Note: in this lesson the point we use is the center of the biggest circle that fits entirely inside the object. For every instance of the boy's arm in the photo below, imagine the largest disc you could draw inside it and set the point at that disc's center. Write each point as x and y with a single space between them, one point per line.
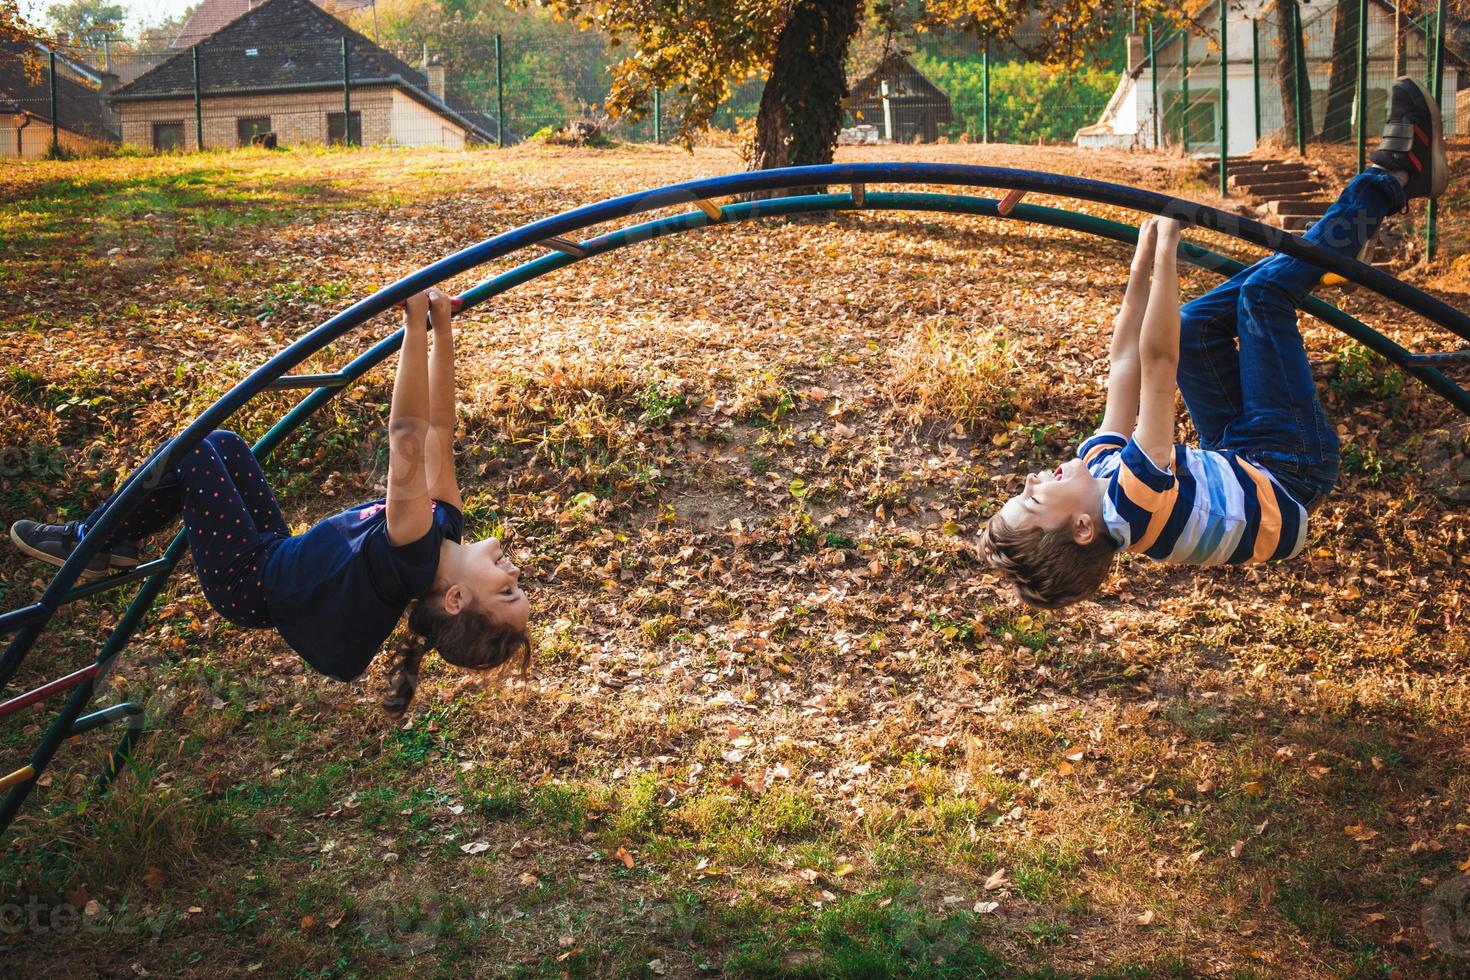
1123 372
1158 351
440 450
409 513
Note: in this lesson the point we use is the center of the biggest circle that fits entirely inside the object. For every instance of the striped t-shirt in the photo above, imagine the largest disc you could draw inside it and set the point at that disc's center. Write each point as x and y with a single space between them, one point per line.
1213 508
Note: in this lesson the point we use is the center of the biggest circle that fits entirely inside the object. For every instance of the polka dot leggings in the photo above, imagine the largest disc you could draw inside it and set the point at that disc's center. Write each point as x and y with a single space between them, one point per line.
232 520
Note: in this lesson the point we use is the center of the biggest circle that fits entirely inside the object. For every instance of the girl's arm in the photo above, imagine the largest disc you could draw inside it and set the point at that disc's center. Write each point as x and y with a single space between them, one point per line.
409 511
1158 351
442 482
1123 371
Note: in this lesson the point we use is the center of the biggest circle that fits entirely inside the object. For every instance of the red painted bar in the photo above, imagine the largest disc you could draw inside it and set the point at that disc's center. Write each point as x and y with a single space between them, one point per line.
60 684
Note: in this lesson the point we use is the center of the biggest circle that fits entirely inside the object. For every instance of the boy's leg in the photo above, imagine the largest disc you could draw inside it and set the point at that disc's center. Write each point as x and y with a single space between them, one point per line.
1209 361
1282 420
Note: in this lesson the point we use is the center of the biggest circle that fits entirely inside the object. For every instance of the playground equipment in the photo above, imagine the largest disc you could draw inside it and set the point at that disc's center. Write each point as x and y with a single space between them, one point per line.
28 622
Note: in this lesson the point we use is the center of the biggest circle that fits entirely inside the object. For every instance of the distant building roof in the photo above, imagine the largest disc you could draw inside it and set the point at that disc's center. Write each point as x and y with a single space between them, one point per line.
905 82
292 46
79 107
211 15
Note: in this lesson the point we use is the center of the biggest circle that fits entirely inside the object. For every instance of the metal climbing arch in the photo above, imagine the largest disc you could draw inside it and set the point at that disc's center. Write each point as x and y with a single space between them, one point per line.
26 624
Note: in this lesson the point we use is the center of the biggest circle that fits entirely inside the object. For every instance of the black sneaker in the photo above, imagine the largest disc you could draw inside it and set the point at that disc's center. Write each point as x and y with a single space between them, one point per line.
53 543
1413 140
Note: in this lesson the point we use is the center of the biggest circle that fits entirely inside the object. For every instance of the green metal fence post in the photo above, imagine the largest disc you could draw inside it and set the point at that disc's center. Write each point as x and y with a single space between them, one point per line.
1361 116
1297 58
1431 218
985 92
658 116
1224 104
1153 75
198 103
1256 73
499 97
1184 79
346 98
55 123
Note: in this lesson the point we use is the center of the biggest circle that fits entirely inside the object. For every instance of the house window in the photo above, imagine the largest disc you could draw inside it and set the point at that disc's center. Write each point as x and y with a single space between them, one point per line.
168 136
337 131
249 127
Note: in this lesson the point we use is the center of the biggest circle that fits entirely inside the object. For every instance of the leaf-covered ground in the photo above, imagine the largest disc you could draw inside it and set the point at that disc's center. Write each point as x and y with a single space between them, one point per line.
780 723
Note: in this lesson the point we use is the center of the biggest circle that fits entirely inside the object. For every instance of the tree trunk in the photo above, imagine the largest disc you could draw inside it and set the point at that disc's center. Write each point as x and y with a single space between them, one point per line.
1342 80
1288 16
801 107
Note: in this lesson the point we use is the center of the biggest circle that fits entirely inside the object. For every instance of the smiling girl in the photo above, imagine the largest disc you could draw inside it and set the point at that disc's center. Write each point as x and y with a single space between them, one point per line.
337 592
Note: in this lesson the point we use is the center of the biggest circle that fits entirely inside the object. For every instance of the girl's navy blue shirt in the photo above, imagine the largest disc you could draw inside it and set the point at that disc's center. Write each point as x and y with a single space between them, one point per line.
336 592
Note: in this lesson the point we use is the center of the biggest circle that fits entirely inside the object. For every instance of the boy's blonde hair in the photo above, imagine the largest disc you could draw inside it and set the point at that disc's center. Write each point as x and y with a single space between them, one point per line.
1049 568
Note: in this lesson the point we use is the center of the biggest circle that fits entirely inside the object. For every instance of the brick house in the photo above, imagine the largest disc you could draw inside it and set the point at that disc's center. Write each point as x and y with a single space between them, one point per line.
278 68
25 104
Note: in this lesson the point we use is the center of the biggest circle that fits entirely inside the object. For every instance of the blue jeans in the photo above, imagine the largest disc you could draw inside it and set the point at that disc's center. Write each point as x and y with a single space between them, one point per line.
1242 368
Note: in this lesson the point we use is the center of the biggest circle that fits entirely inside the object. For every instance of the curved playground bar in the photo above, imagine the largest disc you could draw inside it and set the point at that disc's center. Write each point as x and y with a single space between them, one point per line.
27 623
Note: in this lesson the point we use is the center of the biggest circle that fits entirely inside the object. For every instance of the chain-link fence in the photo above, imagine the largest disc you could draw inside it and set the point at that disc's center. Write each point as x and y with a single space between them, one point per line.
951 86
291 74
1293 75
310 80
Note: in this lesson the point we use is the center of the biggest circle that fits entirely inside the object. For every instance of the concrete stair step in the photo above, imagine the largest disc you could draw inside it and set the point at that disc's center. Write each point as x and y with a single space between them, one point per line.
1248 163
1296 191
1268 184
1262 171
1284 206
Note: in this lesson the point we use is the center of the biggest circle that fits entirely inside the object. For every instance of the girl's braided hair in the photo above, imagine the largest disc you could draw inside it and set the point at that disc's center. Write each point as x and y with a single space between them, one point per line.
470 639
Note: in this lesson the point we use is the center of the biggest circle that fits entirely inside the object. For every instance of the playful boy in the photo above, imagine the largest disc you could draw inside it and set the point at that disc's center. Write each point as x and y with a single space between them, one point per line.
1267 457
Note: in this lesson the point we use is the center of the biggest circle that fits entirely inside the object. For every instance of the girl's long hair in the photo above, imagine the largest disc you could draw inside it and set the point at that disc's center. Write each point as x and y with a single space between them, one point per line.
468 639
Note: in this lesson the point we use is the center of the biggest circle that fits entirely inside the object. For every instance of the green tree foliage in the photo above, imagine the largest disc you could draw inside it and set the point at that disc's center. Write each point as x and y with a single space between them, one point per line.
552 69
14 29
1028 101
160 34
86 22
704 49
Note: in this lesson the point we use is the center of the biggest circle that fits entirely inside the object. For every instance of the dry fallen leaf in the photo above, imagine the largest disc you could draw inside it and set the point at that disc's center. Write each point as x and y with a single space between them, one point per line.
622 855
478 847
996 880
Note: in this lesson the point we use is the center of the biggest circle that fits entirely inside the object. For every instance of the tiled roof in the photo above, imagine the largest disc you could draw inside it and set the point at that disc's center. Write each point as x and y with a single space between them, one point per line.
79 107
286 45
211 15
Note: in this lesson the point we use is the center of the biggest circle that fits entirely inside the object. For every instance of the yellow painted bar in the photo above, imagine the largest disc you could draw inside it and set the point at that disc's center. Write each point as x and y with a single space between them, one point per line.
17 777
710 208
